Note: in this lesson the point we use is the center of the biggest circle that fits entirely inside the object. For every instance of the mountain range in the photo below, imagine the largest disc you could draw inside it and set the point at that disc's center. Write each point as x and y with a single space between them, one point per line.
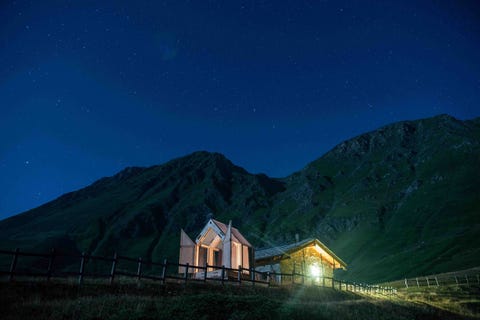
400 201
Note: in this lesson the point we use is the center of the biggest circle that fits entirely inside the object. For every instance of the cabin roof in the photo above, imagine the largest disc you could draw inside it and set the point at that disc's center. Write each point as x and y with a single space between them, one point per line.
287 249
223 227
220 229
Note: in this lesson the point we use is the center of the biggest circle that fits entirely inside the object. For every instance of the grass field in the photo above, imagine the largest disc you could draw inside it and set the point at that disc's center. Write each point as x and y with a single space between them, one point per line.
40 300
462 300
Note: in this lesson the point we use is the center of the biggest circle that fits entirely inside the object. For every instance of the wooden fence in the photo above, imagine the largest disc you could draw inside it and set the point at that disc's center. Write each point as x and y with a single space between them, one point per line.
58 265
468 277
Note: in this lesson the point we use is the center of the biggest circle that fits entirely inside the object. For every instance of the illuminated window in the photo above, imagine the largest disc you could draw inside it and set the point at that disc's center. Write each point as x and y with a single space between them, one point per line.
315 272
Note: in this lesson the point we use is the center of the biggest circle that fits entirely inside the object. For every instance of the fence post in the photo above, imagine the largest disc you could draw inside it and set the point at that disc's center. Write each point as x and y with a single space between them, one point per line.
466 278
139 269
418 285
406 283
186 274
252 275
164 270
223 274
50 265
13 265
205 273
82 269
294 271
268 278
428 283
436 280
239 275
114 266
456 279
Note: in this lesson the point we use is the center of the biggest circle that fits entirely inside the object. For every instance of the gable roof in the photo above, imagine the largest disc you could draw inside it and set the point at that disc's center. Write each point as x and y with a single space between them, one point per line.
284 251
221 229
222 226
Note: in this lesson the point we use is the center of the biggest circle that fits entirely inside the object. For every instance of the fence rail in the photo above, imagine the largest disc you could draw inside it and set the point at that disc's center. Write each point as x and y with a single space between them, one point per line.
468 277
167 271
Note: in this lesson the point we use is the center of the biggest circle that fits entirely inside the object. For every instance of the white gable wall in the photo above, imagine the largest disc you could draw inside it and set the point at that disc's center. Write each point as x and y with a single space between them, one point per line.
215 247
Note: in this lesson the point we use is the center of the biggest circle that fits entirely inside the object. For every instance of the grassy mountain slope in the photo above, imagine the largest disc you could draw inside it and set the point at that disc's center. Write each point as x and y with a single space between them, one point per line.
139 211
398 201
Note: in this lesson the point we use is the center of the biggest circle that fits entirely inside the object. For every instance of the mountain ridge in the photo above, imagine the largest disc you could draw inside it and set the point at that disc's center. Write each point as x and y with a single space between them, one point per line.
364 198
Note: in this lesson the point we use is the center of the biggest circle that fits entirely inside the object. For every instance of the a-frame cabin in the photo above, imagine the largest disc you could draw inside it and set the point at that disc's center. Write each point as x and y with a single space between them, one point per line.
217 244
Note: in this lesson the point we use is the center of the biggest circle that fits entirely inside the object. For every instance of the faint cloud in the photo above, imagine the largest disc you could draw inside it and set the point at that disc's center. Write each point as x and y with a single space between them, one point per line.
167 45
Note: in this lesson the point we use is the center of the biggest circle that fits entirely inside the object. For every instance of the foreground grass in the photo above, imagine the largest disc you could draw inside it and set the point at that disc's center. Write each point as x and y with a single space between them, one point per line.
463 300
39 301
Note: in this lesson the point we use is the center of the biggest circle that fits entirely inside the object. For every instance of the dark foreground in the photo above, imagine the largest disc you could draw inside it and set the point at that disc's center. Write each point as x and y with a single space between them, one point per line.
35 300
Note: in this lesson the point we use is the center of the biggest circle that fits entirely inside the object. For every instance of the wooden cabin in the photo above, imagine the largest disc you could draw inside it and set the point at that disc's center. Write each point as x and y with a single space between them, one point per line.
217 244
309 257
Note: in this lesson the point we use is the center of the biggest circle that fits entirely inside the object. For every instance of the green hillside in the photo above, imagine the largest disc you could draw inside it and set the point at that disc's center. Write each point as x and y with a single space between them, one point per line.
399 201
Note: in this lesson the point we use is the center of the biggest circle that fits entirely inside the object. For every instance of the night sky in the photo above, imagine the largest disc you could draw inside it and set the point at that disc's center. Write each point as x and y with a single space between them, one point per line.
88 88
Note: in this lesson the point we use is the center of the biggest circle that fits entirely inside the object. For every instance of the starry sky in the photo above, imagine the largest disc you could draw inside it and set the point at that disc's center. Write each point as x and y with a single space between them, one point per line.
88 88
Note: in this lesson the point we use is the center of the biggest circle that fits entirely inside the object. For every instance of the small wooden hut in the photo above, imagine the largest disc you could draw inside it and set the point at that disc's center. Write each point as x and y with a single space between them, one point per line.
217 244
308 257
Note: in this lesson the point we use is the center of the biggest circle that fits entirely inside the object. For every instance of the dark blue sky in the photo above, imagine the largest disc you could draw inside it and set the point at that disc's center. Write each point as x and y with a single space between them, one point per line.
90 87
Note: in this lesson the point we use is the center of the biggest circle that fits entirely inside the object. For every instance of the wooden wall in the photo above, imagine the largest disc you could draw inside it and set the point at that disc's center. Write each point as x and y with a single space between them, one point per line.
303 259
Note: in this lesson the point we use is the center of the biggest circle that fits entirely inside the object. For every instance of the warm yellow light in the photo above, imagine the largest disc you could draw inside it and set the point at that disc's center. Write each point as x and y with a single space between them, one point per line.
315 271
